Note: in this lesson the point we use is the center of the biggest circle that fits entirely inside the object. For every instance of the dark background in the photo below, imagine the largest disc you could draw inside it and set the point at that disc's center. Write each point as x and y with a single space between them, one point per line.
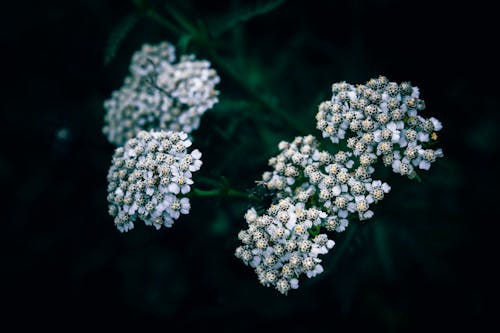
426 259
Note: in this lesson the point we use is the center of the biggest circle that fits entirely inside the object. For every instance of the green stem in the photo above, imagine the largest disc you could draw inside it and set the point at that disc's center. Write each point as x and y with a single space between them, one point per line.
153 15
195 192
255 94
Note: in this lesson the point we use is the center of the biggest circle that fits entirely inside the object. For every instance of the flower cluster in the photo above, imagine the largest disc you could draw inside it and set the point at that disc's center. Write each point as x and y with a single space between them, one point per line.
149 177
339 184
279 246
160 94
381 118
318 189
315 190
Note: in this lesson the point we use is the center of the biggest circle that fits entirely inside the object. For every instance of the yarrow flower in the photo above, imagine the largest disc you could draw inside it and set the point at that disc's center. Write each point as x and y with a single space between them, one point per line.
381 119
160 94
279 246
339 184
315 190
149 178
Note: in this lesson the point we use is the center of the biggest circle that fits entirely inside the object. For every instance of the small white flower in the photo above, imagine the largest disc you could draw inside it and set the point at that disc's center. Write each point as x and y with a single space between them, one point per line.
437 124
343 223
424 165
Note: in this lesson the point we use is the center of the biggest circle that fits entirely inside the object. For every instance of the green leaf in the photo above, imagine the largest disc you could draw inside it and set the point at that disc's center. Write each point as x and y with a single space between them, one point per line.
117 36
382 248
183 21
183 43
226 22
314 230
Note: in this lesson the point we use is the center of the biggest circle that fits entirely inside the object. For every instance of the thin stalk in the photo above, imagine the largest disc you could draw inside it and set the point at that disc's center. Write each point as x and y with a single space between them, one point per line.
256 95
195 192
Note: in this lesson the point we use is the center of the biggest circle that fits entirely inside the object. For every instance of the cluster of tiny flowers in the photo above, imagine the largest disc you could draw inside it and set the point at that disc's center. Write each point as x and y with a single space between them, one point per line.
381 119
315 190
149 177
339 184
160 94
278 244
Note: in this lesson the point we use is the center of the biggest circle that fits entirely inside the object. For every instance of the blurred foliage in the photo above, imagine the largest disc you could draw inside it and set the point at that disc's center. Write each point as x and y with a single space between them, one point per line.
424 261
117 36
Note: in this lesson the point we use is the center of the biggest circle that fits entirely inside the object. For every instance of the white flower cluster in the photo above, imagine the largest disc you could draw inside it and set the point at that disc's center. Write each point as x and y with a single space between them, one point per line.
160 94
316 190
338 184
381 119
278 244
148 178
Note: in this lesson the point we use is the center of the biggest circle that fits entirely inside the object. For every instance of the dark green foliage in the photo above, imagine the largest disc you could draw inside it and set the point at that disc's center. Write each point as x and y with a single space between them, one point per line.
118 35
228 21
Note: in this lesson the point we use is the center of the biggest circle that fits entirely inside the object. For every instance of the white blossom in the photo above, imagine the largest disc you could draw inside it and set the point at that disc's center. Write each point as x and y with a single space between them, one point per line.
281 247
145 180
160 94
380 117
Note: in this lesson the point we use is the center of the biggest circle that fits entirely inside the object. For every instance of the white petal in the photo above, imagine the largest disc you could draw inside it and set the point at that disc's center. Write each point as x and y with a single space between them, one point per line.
336 190
196 154
343 224
395 136
174 188
185 189
369 199
437 124
424 165
422 136
368 214
415 93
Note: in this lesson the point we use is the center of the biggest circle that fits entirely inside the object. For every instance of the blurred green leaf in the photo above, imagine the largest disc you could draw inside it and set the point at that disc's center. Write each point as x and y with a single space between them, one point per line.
183 21
226 22
117 36
220 225
183 43
383 251
231 105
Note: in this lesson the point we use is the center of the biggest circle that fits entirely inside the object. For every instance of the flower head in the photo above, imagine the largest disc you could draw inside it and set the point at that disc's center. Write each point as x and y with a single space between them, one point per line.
160 94
145 180
280 248
381 118
338 185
